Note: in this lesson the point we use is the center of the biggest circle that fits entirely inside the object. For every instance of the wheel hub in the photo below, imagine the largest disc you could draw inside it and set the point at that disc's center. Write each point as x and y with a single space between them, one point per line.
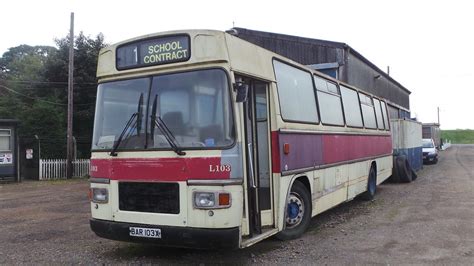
295 210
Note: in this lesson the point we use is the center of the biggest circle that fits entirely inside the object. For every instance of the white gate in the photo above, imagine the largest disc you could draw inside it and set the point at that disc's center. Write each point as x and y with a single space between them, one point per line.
56 168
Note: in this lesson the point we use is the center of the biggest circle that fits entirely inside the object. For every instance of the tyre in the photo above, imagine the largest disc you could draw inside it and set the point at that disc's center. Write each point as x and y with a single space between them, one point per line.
414 175
298 212
395 177
404 170
371 185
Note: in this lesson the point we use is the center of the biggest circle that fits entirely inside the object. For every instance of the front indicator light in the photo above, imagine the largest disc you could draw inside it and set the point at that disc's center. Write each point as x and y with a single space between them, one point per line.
224 199
99 195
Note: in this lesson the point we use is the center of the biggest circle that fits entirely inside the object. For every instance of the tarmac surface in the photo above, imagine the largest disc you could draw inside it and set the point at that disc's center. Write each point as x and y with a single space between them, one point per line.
428 221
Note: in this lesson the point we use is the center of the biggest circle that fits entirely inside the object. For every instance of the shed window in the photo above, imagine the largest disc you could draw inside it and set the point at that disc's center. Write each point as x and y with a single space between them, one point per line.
378 112
5 140
296 94
368 112
350 101
329 101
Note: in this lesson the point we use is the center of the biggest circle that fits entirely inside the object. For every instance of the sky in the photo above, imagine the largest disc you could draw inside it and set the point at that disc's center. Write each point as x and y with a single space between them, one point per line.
427 44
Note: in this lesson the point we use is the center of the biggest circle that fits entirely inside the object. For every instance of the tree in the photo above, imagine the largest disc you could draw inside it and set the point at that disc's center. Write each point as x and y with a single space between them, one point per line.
21 71
86 51
24 62
48 121
36 78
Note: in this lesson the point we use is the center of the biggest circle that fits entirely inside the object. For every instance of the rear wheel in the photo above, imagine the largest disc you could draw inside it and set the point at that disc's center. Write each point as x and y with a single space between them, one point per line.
298 212
402 171
371 185
414 176
395 177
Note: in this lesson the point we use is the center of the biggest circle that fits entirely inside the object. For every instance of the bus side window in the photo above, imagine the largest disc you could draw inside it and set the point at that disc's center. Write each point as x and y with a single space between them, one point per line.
329 101
385 115
296 94
368 112
378 112
350 101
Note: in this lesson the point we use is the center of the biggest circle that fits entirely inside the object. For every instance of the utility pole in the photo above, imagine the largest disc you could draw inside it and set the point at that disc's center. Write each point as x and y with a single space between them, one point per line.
438 116
70 101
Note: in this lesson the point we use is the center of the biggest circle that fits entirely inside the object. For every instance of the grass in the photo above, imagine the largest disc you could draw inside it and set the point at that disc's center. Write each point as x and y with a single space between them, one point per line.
459 136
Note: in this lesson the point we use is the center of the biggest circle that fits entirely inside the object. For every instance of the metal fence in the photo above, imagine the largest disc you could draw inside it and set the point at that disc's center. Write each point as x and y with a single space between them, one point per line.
56 168
446 145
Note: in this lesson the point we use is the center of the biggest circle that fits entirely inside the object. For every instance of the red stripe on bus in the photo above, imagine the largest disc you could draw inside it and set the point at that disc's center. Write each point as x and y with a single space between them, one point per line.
308 150
276 166
340 148
159 169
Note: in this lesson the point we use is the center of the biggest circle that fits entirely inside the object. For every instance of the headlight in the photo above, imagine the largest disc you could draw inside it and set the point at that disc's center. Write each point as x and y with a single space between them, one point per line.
432 153
211 200
99 195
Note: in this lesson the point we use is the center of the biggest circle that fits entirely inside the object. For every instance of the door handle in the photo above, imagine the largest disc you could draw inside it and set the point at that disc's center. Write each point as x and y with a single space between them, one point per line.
251 174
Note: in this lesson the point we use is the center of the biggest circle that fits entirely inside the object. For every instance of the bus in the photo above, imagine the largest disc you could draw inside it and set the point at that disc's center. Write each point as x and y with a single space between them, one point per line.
204 140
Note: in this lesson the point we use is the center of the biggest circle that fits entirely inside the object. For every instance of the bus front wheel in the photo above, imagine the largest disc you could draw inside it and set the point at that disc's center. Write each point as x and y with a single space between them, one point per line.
298 212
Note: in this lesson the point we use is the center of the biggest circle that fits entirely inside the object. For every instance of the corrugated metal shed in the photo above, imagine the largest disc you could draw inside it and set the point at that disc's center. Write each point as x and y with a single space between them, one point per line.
335 59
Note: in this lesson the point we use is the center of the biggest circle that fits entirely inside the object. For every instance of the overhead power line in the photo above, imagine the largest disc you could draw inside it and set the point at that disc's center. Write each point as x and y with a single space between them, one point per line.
48 82
38 99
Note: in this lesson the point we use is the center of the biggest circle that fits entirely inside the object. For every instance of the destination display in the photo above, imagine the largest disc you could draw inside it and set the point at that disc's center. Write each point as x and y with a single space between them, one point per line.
158 51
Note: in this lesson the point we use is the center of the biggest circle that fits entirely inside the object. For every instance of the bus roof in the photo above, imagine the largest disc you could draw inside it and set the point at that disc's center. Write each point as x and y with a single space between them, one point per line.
220 47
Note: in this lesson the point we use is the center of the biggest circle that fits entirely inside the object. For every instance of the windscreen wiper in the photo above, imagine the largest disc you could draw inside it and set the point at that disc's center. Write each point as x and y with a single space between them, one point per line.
127 126
156 120
137 125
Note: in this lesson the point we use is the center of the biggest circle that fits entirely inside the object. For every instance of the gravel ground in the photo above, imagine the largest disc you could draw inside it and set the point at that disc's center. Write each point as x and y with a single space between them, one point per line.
429 221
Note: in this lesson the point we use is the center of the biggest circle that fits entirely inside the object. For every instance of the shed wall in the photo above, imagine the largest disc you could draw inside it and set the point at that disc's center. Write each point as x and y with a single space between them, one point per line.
351 70
297 49
365 77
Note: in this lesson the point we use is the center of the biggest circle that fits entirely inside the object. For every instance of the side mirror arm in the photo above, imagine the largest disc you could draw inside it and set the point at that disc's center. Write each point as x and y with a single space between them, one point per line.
242 91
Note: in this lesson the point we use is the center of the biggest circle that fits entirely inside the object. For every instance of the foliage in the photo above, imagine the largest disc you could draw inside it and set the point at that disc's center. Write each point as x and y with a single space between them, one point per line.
458 136
24 62
38 76
49 123
85 83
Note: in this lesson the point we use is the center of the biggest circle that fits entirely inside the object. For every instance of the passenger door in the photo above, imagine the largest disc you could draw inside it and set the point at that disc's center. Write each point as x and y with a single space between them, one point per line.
257 139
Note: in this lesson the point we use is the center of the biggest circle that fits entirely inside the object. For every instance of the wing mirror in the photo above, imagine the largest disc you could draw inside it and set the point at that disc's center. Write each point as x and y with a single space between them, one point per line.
242 91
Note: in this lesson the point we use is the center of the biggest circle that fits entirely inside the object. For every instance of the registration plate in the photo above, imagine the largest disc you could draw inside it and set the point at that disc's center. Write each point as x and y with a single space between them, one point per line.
145 232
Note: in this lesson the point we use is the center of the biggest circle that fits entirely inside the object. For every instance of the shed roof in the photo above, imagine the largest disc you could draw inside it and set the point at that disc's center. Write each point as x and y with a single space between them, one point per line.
339 45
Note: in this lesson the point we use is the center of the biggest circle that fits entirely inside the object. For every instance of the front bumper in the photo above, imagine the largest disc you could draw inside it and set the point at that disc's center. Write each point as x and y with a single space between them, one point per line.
429 158
172 236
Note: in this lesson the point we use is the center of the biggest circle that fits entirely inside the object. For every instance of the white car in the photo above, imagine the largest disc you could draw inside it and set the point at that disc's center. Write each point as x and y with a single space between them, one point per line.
430 153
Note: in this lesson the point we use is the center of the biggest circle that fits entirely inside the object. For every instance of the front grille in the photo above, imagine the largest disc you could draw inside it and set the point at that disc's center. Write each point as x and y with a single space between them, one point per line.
149 197
425 153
